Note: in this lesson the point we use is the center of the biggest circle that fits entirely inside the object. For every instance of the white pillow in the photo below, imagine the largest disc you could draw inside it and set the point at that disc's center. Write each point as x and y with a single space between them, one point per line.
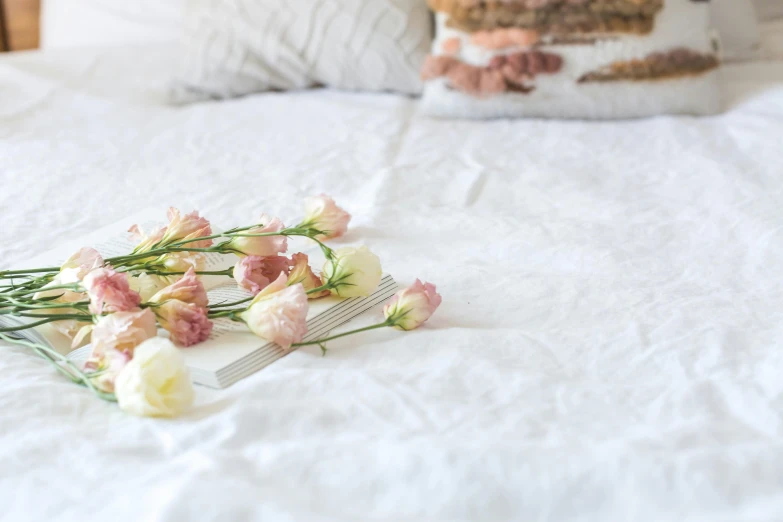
238 47
69 23
738 28
768 9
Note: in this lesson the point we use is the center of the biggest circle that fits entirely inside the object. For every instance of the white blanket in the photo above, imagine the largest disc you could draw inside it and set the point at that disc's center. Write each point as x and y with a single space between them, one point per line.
610 346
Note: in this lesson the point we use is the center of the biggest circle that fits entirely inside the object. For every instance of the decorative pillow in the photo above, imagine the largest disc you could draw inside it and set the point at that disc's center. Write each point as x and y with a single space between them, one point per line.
571 59
237 47
737 27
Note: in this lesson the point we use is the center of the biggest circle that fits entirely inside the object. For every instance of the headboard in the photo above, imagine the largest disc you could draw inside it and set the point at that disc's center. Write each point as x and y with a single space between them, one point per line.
21 25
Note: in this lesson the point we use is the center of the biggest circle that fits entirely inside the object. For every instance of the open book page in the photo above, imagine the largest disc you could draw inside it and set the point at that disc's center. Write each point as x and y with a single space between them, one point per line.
110 241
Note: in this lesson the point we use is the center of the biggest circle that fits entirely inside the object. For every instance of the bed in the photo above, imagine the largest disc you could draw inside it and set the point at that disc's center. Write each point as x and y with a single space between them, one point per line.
609 347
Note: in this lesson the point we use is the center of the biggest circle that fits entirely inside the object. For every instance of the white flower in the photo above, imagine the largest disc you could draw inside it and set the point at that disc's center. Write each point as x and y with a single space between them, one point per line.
354 272
156 382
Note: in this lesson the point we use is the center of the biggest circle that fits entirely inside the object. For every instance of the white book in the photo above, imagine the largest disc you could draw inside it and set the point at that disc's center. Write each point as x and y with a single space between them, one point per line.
232 352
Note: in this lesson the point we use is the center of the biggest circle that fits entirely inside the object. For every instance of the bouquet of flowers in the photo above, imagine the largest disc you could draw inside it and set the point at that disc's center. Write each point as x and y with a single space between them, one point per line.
120 304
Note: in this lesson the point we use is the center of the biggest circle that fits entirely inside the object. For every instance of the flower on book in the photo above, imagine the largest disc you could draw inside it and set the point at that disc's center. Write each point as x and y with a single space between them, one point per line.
120 302
63 288
254 273
114 341
109 291
79 265
301 273
185 228
187 323
71 272
122 332
411 307
323 214
278 313
353 272
155 382
145 241
189 289
181 261
250 243
147 285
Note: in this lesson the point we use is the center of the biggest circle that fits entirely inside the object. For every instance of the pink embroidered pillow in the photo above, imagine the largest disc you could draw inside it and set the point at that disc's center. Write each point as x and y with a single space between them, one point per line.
571 59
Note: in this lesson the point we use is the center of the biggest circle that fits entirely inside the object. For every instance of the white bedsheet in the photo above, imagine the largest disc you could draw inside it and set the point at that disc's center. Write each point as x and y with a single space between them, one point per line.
609 347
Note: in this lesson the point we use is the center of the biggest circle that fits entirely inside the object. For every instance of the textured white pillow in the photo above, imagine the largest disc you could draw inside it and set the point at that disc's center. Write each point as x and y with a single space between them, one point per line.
237 47
736 23
69 23
588 59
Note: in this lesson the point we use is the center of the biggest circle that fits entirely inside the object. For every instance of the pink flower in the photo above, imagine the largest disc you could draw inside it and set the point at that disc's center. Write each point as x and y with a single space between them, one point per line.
261 246
108 366
254 273
189 289
79 265
301 273
185 227
122 332
146 242
410 308
323 214
109 291
72 271
114 340
187 323
279 313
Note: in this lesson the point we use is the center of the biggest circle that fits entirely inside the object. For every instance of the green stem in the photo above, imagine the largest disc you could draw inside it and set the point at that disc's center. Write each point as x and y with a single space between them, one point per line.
48 319
79 305
8 274
73 287
32 283
231 314
227 233
25 326
227 305
219 248
74 374
120 260
327 286
345 334
59 317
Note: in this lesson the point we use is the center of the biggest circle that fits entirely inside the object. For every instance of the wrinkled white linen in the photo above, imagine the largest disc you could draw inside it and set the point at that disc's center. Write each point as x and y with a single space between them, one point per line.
609 346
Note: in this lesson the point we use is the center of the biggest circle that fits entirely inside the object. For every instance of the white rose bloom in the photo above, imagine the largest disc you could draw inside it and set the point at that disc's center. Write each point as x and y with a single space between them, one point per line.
356 272
155 383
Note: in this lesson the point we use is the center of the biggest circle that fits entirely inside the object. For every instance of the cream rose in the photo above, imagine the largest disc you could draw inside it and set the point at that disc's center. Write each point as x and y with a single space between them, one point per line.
156 382
354 272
